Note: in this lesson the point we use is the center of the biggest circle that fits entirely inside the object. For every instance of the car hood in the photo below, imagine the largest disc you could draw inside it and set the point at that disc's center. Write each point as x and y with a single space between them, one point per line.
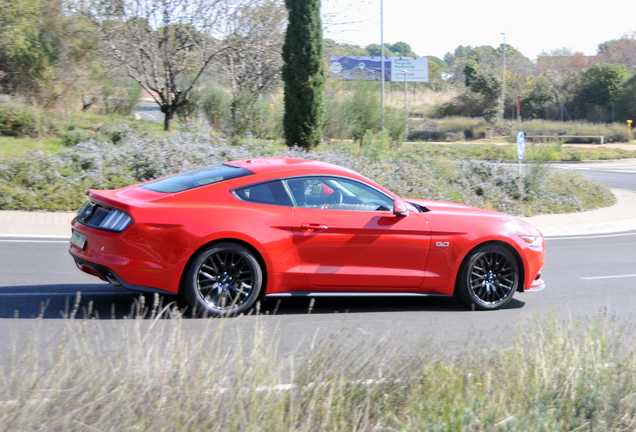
455 208
465 213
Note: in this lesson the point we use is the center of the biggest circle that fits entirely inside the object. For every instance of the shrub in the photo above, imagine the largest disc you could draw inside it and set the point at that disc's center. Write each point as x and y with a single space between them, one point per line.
40 181
449 129
74 136
352 114
19 120
215 107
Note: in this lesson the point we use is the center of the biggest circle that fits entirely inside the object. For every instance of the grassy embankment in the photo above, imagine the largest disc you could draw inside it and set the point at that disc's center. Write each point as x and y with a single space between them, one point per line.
44 181
78 151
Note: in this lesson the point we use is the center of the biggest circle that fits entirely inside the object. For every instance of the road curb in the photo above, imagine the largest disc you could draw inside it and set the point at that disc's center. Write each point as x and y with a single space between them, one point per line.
620 217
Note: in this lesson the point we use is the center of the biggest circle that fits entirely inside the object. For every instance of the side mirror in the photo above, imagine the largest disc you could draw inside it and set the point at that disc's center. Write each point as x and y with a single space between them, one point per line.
399 208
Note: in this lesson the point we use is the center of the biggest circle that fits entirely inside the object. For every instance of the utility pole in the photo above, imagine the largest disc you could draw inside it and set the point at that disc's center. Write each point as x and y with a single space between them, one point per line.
382 59
503 88
406 108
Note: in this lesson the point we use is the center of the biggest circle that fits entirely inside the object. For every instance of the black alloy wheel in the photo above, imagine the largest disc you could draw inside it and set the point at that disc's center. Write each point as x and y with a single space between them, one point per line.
488 278
223 279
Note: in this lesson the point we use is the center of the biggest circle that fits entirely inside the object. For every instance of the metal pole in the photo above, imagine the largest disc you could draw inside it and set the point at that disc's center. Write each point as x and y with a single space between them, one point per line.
518 113
382 59
503 88
406 108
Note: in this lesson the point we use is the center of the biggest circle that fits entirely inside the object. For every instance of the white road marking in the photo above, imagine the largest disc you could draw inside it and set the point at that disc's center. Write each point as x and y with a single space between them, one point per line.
609 277
610 170
84 293
590 237
33 236
35 241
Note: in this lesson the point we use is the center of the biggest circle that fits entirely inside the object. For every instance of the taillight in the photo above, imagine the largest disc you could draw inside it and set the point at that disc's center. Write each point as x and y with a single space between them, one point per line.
101 217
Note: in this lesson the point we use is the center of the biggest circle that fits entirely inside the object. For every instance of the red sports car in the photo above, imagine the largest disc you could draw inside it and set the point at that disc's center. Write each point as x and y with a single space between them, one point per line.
225 236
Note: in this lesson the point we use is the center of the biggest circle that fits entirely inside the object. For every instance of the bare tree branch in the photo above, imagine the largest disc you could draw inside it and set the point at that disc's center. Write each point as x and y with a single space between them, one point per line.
163 44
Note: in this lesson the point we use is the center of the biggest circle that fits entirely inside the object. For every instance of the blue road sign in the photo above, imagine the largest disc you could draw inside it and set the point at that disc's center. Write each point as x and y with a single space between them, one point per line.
521 145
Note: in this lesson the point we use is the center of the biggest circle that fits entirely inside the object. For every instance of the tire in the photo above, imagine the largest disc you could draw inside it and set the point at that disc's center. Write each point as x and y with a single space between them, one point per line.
488 278
223 279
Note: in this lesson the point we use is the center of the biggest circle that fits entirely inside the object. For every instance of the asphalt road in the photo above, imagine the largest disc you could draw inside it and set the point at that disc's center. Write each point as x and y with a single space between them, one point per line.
149 110
583 274
620 175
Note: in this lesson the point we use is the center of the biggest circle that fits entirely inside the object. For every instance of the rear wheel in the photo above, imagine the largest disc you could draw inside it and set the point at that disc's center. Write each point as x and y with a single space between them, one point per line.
488 278
223 279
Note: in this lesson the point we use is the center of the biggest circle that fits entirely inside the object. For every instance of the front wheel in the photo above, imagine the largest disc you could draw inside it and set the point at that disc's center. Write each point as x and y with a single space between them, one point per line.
488 278
223 279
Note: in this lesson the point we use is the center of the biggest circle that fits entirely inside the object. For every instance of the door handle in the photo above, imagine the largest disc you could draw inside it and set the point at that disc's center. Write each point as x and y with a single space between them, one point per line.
313 226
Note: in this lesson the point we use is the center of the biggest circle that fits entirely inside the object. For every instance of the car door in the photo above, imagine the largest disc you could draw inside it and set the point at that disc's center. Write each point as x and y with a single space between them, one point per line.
346 235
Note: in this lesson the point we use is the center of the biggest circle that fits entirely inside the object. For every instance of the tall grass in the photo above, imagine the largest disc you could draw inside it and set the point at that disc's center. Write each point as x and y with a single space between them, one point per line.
554 152
454 129
155 373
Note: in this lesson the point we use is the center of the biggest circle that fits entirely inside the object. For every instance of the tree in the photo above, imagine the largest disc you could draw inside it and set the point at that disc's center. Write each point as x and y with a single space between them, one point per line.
487 83
253 61
46 54
600 84
626 100
163 45
541 98
619 51
333 48
402 49
376 49
303 74
460 52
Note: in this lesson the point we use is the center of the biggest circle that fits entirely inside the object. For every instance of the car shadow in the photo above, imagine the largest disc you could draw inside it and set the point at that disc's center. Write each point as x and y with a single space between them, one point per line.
367 304
103 301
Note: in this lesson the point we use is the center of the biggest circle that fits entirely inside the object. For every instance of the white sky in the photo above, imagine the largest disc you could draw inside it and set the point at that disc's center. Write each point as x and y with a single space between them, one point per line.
435 28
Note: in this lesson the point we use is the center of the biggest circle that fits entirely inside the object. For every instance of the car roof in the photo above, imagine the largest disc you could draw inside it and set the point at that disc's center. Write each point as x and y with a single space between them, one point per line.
287 165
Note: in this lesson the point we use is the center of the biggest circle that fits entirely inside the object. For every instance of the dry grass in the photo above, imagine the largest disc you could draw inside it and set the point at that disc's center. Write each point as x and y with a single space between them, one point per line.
153 374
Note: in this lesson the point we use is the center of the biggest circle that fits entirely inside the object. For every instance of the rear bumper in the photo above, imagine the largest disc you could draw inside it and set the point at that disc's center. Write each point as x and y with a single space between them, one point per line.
108 275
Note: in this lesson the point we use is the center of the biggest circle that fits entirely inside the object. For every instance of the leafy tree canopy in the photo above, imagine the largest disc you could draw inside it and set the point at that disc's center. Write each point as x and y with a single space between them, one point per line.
601 84
441 63
376 49
402 49
619 51
332 48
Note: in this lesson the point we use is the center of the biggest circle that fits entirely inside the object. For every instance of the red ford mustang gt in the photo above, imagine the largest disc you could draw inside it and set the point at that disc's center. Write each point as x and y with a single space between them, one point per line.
224 236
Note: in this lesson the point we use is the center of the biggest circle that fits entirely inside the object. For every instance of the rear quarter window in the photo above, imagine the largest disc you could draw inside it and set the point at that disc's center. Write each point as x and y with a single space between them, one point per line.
265 193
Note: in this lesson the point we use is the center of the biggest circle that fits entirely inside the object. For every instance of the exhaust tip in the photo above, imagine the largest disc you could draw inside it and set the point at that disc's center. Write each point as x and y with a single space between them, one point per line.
112 280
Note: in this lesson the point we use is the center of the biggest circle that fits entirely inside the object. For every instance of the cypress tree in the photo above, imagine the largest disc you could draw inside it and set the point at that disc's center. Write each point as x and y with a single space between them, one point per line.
303 74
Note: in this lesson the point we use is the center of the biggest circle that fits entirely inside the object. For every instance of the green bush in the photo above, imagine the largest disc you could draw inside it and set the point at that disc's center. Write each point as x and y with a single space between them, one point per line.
74 136
470 128
449 129
534 152
351 113
362 110
19 120
38 181
613 132
215 106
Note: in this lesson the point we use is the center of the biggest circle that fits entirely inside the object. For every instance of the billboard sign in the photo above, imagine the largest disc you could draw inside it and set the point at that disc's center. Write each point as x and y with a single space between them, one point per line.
416 69
350 68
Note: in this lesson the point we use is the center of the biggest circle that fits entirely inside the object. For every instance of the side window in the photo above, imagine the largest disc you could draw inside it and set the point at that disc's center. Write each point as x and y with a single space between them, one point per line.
265 193
337 193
